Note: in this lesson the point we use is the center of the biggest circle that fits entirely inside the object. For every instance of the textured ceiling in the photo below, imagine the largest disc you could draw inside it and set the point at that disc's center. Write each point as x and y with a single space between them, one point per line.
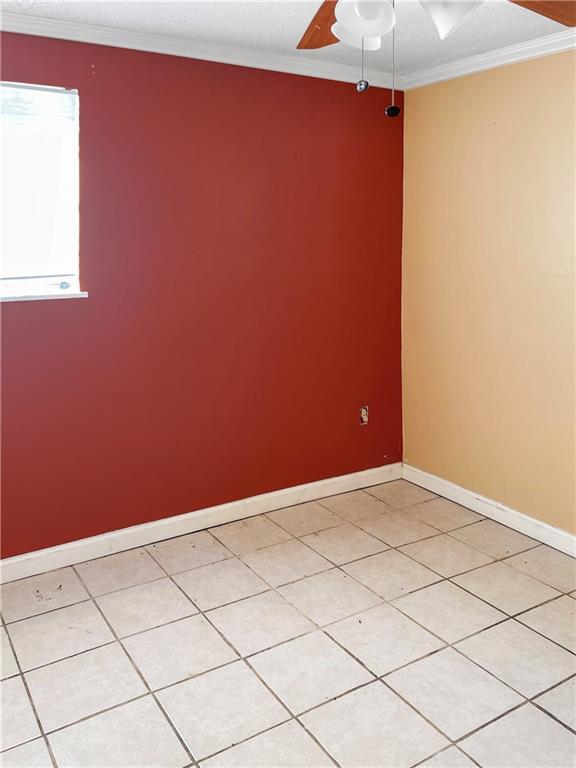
277 25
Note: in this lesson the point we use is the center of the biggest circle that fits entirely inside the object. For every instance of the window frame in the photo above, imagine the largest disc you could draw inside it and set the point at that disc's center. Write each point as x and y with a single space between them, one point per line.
45 287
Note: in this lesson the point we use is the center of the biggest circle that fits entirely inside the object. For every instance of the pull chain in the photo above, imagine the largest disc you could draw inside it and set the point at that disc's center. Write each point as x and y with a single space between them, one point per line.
393 59
392 110
362 85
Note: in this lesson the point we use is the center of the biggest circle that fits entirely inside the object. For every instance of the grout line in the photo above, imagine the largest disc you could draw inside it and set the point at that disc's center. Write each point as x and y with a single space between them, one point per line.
112 591
86 599
322 628
194 567
550 714
490 722
504 557
284 641
448 645
142 678
96 714
501 680
445 749
70 656
337 524
345 493
244 659
382 600
33 706
417 711
408 506
234 602
521 613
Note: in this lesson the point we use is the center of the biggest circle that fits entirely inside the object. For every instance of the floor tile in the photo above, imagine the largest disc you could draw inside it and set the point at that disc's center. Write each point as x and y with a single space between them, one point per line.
524 660
329 596
397 528
136 734
34 754
344 543
446 556
443 514
18 721
285 746
548 565
9 666
186 552
125 569
561 702
145 606
373 727
304 518
452 692
448 611
494 539
176 651
38 594
354 506
209 718
259 622
250 534
309 671
525 738
225 582
286 562
56 635
506 588
448 758
391 574
383 639
400 493
556 620
72 689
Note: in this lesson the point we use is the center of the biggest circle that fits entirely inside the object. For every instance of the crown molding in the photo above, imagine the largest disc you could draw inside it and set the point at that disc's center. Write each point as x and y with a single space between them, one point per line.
532 49
295 65
175 46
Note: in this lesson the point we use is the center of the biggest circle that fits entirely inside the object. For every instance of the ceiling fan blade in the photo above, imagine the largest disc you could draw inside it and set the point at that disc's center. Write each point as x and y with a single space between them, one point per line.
319 34
562 11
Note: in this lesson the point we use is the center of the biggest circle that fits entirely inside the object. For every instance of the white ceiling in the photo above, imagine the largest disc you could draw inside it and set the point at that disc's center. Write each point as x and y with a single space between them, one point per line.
273 29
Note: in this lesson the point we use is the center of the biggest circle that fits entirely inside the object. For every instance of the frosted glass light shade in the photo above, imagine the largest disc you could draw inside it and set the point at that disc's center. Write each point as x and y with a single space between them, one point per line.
447 15
366 19
343 34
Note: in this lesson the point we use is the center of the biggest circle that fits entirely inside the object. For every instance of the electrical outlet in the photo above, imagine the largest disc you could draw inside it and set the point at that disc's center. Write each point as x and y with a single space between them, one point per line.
364 415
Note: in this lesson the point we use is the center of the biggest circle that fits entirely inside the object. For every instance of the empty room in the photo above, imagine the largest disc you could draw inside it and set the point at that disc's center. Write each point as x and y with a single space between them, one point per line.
288 351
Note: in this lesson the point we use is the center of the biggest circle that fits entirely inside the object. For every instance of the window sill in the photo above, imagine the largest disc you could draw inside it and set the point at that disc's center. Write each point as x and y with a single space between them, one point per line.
44 296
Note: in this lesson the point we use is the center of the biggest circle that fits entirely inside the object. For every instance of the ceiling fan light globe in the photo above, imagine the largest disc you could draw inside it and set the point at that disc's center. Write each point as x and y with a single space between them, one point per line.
355 41
448 15
366 19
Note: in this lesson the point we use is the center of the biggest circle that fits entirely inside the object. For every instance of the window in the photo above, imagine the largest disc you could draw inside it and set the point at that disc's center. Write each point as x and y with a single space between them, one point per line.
39 192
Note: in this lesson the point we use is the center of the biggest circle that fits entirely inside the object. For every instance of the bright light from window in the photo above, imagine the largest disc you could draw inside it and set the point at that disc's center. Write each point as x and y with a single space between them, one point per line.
39 188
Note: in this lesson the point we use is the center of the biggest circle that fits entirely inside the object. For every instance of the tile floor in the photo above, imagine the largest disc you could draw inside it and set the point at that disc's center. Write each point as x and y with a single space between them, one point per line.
384 628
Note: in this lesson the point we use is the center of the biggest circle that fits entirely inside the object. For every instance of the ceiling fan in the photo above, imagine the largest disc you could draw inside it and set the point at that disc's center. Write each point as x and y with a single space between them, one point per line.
362 24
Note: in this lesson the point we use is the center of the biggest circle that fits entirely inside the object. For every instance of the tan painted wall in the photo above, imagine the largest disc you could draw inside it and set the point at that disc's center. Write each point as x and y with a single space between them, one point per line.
488 284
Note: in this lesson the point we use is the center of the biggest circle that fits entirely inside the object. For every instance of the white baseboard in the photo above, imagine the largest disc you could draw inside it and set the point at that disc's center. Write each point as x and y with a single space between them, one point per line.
547 534
43 560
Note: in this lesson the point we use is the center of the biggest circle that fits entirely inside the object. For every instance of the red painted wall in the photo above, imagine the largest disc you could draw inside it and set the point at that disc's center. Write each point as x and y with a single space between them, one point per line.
240 241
